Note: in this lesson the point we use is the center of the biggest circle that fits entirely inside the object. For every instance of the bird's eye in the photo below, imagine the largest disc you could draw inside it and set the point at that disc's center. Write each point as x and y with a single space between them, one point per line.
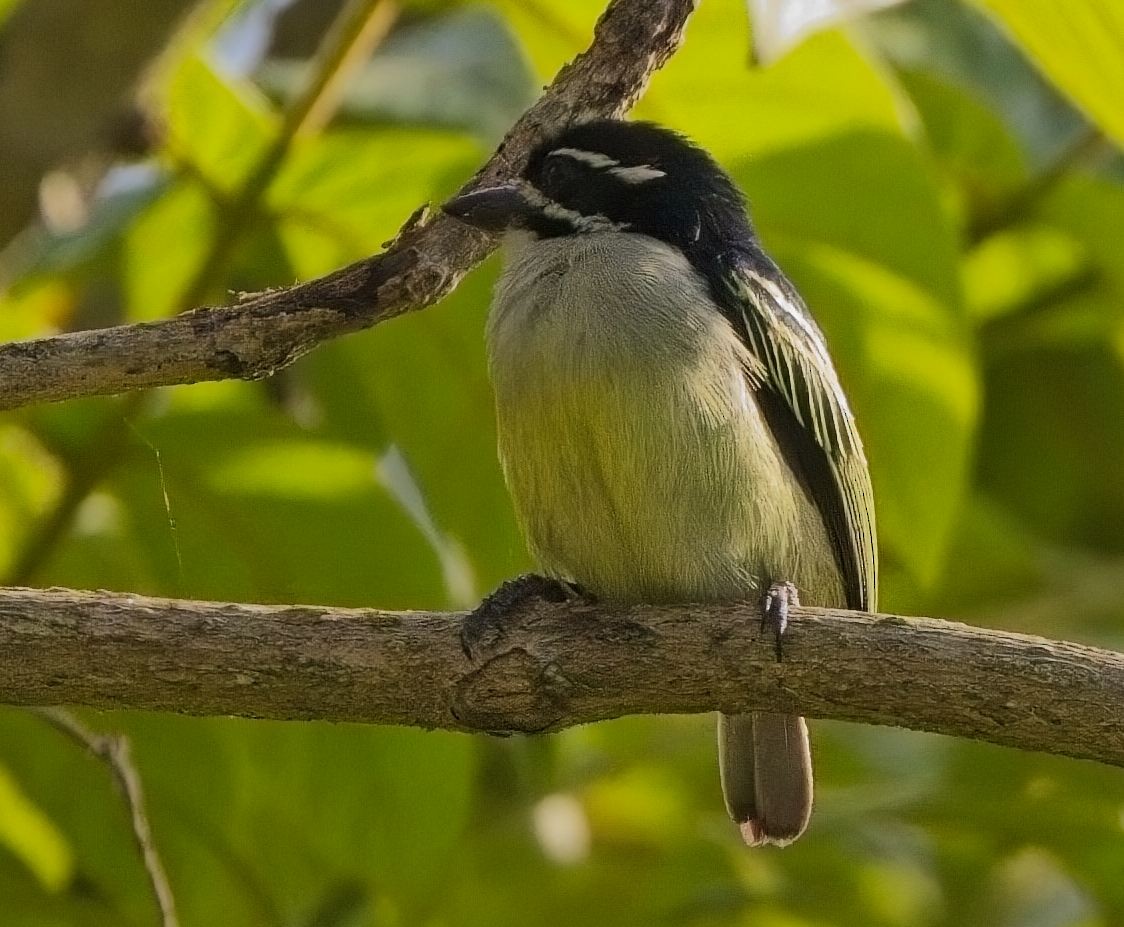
560 175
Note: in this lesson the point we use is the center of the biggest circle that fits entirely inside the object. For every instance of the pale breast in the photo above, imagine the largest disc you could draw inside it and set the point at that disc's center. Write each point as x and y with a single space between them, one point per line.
638 462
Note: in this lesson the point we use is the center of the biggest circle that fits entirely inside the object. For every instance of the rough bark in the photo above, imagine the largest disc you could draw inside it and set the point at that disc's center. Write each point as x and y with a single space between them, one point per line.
429 257
556 666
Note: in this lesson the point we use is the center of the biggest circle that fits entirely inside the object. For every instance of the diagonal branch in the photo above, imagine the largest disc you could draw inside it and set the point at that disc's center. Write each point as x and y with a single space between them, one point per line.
556 666
429 257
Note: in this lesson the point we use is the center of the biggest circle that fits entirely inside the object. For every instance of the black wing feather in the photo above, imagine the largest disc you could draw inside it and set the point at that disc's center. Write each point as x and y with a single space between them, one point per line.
807 411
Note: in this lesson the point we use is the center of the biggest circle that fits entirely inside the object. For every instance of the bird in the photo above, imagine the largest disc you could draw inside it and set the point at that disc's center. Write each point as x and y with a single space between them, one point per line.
670 424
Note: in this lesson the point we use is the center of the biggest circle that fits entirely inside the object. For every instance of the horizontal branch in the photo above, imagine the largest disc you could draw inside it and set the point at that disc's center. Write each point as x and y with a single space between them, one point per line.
556 666
431 254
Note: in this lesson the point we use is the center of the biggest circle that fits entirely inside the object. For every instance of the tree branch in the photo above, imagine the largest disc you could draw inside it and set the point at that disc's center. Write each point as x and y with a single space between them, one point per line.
556 666
429 257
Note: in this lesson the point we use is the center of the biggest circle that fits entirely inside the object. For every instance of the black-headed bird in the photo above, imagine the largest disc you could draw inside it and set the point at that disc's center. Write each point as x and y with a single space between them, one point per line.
671 426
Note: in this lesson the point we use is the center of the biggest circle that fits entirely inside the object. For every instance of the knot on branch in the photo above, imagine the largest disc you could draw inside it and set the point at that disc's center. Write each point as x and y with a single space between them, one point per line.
512 692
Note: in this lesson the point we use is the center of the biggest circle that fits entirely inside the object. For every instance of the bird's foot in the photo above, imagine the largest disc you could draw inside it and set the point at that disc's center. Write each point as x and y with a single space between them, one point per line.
484 626
774 613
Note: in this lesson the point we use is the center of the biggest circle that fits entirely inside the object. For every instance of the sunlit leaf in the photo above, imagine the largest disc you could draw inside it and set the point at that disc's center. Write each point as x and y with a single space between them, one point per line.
778 25
74 791
1079 45
36 309
31 481
32 837
1015 268
234 502
551 33
220 127
340 197
7 7
824 87
163 249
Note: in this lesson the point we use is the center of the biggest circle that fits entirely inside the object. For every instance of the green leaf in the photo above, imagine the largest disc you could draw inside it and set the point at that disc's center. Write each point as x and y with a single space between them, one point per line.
222 128
1092 211
824 87
7 8
73 791
779 25
1067 265
341 196
223 497
959 43
300 811
551 33
973 148
31 480
879 201
420 383
163 248
462 70
1007 566
1052 432
1079 45
256 822
1015 269
32 837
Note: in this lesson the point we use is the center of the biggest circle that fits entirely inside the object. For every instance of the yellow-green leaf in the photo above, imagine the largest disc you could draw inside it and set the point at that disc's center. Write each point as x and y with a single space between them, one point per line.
31 836
1079 45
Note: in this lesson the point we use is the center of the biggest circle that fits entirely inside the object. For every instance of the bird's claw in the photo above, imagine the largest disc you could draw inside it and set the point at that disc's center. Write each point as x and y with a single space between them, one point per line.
774 614
483 628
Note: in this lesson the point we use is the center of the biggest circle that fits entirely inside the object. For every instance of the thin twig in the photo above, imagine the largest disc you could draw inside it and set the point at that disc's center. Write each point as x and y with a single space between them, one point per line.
113 749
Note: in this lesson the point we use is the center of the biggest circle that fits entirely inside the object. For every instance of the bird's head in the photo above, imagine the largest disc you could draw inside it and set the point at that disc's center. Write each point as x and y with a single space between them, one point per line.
611 175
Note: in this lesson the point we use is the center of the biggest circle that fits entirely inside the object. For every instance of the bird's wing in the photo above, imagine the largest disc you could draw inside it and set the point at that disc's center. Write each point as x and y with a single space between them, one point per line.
808 414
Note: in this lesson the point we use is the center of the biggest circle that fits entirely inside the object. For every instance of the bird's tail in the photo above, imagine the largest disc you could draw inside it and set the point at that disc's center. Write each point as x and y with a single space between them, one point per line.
766 765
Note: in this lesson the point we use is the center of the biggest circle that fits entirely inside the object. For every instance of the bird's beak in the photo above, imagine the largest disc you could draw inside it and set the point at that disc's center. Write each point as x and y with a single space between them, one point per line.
493 209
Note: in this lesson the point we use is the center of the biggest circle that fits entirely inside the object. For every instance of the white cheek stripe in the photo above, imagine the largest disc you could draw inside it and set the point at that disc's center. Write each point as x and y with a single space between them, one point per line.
592 158
557 211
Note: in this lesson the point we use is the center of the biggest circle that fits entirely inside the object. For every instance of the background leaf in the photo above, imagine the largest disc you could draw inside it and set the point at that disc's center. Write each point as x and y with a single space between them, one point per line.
1080 46
778 25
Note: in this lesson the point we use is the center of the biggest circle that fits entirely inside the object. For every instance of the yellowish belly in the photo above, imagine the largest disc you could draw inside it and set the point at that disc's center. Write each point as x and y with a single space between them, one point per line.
637 460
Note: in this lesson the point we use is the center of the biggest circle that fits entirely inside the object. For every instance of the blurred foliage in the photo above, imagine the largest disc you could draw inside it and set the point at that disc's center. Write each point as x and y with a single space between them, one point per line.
1080 47
958 227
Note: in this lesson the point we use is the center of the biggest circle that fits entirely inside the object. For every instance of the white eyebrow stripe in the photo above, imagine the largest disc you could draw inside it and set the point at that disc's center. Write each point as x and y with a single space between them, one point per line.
640 173
592 158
